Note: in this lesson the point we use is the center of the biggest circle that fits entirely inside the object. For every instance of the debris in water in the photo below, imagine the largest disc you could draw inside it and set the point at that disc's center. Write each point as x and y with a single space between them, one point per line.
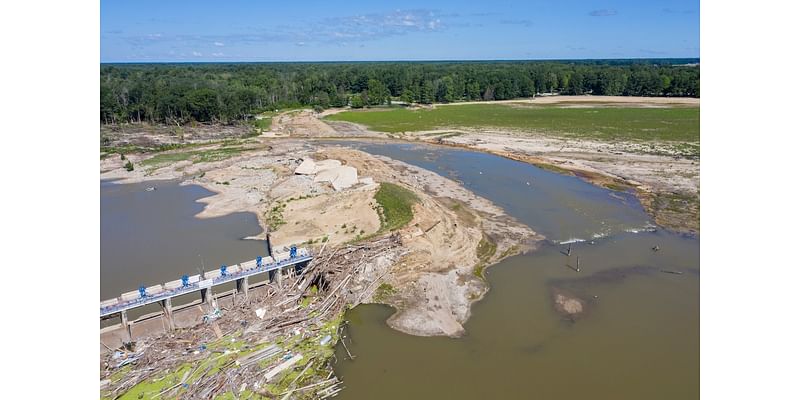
666 271
566 303
191 345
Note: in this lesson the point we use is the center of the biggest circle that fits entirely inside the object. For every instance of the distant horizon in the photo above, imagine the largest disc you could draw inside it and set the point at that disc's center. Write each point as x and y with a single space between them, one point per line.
408 61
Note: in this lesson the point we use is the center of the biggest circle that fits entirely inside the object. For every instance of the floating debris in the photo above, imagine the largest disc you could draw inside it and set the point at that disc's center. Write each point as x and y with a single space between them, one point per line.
666 271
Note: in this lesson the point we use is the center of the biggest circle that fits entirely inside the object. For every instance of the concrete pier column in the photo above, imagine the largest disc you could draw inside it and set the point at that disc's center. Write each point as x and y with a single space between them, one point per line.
279 276
126 327
166 307
243 285
205 295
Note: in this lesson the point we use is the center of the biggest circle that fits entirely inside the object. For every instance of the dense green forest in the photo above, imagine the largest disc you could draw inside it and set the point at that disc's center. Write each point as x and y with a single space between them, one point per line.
227 93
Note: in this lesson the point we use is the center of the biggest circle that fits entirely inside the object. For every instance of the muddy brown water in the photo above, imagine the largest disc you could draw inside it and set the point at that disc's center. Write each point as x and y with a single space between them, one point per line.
560 207
152 237
638 337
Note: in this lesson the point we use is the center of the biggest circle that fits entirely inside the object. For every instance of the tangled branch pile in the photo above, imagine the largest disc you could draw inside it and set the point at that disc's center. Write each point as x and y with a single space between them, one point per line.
256 346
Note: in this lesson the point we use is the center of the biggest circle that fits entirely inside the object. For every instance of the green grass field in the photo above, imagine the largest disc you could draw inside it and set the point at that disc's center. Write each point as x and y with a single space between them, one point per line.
265 123
680 124
397 206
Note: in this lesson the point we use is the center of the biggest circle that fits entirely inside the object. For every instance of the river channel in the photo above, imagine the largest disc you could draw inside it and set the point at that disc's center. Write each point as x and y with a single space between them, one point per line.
638 337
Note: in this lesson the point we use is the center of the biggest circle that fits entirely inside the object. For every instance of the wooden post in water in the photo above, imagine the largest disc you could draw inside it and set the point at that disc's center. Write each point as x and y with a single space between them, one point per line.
578 264
569 250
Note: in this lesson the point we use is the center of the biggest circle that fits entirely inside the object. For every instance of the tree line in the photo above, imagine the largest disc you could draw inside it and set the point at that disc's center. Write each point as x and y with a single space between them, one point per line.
227 93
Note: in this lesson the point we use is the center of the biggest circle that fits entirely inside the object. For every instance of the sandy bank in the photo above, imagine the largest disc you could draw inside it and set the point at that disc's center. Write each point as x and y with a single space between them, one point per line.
435 279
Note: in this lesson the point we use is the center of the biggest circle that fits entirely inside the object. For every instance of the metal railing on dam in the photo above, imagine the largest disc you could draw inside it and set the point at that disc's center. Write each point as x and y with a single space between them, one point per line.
187 284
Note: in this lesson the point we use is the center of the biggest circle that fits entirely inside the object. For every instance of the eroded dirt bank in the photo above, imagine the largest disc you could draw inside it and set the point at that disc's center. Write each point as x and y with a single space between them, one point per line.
432 278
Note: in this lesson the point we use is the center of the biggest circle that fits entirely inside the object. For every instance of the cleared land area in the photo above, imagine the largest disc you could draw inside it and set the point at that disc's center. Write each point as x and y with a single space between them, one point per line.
594 121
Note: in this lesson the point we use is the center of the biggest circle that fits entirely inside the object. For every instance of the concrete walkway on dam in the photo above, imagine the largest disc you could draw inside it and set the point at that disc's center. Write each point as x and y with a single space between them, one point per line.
292 258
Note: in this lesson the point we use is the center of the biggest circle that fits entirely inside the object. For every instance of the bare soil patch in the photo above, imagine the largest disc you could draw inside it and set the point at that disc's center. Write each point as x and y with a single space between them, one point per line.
147 135
589 99
308 124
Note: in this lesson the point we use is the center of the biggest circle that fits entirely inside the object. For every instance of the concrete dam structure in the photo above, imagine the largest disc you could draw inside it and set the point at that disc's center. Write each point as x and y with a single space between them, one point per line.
274 265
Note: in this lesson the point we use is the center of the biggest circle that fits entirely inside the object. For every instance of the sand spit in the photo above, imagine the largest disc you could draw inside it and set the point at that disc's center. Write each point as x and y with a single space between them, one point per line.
435 280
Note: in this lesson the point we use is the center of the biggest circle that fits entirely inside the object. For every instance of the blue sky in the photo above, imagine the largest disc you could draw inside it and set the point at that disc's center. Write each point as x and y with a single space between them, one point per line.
239 30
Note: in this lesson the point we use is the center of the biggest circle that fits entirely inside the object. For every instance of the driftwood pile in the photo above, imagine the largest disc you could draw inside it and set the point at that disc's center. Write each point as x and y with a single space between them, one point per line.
283 312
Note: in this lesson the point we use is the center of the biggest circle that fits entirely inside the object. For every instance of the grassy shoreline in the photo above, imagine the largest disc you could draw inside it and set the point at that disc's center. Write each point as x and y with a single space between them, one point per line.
670 124
676 129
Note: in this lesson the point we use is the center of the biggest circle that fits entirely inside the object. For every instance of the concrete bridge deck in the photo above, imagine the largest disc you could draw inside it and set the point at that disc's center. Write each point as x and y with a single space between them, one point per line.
212 278
164 293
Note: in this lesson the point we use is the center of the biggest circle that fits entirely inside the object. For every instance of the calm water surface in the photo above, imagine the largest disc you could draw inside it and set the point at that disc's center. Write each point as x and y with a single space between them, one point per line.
147 238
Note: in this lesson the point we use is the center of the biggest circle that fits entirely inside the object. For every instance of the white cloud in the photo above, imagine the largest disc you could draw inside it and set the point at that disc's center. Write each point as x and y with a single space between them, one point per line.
603 13
376 26
217 54
338 30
